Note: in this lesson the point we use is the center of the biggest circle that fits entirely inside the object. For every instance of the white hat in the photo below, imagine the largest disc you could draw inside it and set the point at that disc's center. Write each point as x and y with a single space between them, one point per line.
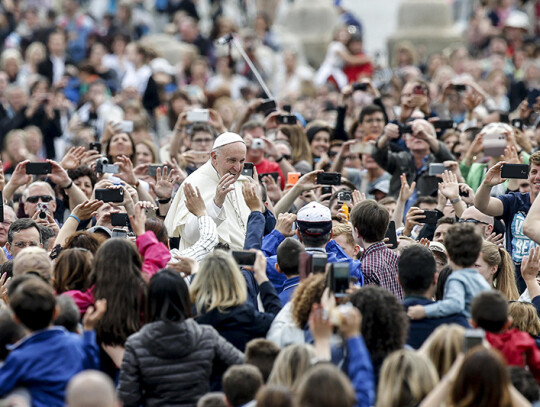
161 65
314 212
227 138
517 19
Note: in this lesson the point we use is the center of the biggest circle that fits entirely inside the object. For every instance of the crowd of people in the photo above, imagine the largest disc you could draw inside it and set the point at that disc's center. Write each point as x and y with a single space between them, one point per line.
243 228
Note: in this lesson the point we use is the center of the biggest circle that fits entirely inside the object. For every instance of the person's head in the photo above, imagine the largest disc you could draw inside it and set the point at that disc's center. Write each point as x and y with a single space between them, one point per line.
23 233
370 221
489 311
146 152
390 204
37 192
534 174
121 144
342 234
201 137
314 223
325 385
441 281
168 297
85 178
291 365
250 131
33 260
463 244
482 222
524 382
406 378
33 304
219 283
443 225
443 346
524 317
296 136
288 255
157 226
72 270
384 321
482 381
261 353
9 218
117 263
371 120
10 333
426 203
306 294
495 264
417 271
57 43
319 133
274 396
17 98
212 399
91 388
240 384
84 240
228 154
68 314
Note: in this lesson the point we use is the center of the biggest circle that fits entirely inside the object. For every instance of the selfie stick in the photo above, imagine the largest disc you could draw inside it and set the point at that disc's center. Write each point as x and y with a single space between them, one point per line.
230 38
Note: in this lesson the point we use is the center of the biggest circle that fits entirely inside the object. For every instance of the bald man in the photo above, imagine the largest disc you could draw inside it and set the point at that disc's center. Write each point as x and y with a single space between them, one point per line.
482 222
91 388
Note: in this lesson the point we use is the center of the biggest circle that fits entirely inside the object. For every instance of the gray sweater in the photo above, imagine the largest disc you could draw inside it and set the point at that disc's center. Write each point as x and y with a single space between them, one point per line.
459 290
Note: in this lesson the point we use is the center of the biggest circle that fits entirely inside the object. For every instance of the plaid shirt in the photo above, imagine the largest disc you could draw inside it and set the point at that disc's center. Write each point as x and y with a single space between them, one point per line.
380 267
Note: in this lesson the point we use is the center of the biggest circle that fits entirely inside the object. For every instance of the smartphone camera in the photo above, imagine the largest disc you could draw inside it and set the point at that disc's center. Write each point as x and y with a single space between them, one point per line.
344 196
360 86
458 87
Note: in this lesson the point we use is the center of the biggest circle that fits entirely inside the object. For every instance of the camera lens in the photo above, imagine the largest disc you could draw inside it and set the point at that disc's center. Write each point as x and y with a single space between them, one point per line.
42 215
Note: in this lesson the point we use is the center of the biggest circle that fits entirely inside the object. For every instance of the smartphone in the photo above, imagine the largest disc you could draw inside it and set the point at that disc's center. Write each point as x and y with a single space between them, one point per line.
244 257
436 168
198 115
119 219
267 106
344 196
126 126
37 168
248 170
340 279
329 178
274 175
360 86
116 232
110 195
431 217
304 265
289 119
362 148
326 190
318 263
292 178
516 171
152 169
517 123
532 96
95 146
494 144
472 339
443 124
391 235
459 87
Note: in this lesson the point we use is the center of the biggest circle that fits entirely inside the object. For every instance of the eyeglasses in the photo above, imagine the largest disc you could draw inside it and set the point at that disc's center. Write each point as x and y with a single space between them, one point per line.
22 245
36 198
472 221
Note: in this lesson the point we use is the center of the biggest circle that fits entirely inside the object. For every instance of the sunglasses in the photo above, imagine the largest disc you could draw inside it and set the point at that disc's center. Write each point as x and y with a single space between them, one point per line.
36 198
472 221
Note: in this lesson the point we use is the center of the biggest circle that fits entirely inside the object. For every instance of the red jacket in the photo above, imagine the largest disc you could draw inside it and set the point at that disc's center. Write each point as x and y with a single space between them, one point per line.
518 349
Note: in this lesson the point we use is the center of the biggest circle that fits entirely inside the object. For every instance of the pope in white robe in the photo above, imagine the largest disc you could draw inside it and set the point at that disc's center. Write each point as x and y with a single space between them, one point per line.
220 184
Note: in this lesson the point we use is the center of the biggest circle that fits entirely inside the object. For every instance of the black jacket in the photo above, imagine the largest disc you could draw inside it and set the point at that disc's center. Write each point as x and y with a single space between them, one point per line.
243 323
169 364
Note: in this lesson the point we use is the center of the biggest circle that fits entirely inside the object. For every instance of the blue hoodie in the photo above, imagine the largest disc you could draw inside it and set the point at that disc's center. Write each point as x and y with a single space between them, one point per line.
45 361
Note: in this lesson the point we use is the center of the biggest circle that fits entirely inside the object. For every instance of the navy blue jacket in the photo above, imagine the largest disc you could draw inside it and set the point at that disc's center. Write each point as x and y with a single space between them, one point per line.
420 329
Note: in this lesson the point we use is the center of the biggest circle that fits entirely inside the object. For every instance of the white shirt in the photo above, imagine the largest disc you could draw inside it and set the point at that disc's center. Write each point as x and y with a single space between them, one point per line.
59 67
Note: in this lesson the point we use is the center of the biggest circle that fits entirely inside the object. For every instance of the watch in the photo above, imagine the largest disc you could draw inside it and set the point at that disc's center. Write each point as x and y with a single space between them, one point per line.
455 200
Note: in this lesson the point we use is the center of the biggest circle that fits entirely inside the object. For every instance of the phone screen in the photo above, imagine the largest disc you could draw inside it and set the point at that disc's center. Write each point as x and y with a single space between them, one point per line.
341 278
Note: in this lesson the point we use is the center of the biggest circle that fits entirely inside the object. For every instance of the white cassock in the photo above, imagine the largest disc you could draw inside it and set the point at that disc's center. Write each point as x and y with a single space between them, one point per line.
231 218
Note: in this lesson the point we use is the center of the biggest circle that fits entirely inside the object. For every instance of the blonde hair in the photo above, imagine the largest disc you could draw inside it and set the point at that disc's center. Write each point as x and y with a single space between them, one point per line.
443 346
524 317
300 149
344 229
406 378
290 366
504 278
219 284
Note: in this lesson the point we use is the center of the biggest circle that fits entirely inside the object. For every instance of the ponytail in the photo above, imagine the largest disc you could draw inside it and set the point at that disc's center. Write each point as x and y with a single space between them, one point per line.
504 279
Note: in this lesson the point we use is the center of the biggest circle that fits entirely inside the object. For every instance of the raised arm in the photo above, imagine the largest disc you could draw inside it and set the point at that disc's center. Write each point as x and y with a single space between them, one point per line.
531 226
483 201
305 183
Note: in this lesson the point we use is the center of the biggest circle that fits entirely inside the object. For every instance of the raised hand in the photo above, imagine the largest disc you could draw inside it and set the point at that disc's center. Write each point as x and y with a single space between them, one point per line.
87 209
406 190
449 186
249 190
493 176
308 181
59 175
530 265
225 185
194 201
284 224
93 315
73 158
163 187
